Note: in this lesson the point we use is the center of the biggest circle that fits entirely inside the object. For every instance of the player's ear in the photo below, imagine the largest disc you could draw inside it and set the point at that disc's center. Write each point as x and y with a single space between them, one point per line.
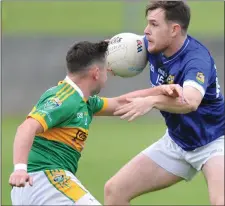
95 72
176 29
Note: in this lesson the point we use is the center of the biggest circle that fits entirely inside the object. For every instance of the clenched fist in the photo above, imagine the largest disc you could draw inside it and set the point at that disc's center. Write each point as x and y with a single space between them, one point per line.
19 178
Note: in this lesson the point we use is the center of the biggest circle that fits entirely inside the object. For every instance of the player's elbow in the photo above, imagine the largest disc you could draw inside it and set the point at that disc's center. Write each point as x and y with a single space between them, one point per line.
192 99
191 106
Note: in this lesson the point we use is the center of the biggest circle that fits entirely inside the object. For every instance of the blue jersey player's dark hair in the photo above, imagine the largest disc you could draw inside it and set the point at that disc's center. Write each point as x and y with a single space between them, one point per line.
83 54
177 11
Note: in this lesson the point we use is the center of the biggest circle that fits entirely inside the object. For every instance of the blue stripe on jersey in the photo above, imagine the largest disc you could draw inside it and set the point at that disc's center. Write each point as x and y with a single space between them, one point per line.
194 65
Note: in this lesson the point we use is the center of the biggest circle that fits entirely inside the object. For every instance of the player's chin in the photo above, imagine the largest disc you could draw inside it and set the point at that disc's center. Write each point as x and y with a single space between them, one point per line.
152 50
151 47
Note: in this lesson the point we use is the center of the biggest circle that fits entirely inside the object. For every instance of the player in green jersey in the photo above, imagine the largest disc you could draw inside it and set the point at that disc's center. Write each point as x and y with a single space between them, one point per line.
49 142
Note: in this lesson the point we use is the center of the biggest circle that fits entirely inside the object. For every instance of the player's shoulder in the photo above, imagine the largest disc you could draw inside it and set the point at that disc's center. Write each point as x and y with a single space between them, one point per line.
196 54
93 99
62 93
197 51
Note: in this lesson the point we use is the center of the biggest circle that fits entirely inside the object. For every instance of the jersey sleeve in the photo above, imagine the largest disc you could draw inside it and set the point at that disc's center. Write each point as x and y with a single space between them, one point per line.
97 104
50 111
197 75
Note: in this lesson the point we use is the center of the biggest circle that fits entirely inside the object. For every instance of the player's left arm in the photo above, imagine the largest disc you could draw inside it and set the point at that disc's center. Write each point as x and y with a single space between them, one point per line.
106 106
140 106
195 83
189 103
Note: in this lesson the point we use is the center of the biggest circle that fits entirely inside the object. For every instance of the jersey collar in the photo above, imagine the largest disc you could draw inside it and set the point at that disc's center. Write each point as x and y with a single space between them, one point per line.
69 81
174 56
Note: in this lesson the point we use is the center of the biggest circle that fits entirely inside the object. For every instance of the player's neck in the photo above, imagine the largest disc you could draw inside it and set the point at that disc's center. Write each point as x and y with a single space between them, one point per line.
175 46
82 84
84 87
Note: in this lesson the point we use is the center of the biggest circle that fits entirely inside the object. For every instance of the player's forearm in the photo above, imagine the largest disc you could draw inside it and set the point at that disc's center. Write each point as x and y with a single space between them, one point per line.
22 144
144 92
169 104
112 104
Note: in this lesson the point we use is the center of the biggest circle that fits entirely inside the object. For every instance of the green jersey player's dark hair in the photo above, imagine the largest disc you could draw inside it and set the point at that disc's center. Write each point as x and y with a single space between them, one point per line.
83 54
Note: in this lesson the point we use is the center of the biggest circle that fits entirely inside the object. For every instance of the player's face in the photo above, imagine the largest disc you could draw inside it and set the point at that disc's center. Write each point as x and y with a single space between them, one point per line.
101 78
158 31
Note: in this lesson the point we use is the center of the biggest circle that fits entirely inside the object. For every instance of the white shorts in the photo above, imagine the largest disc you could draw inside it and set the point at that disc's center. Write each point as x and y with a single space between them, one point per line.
168 155
53 187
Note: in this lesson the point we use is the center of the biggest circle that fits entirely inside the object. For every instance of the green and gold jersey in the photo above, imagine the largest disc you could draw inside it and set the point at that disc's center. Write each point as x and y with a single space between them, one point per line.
65 116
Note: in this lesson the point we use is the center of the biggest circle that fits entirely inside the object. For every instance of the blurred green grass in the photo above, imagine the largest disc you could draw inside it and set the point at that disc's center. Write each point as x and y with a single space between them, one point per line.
110 145
98 17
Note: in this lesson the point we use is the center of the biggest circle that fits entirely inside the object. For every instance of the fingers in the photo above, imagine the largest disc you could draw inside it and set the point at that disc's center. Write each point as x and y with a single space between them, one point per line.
120 112
128 114
134 116
169 91
123 109
173 90
178 91
30 181
134 108
22 182
19 179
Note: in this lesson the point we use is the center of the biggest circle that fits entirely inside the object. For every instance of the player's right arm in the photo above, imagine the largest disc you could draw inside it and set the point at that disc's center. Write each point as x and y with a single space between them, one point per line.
24 138
22 144
51 110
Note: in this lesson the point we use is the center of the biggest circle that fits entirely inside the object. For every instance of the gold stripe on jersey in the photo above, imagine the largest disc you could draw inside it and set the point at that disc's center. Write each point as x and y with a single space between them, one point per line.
105 105
69 94
73 137
65 92
63 88
65 185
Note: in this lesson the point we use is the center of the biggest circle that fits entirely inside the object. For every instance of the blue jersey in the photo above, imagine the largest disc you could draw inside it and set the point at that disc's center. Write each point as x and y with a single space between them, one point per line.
191 65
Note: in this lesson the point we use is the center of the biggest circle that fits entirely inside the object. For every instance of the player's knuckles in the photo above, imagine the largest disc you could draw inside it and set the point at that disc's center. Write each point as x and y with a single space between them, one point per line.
17 182
22 180
169 91
12 181
19 176
22 184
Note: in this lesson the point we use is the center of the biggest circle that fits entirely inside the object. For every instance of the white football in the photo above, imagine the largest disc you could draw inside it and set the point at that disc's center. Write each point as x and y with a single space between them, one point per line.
127 54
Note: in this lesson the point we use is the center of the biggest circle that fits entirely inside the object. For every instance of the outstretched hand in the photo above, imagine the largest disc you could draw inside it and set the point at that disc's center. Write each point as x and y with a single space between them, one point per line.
134 108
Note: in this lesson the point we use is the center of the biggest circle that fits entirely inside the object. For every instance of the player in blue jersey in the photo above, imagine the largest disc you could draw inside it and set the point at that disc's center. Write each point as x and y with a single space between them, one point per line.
194 140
